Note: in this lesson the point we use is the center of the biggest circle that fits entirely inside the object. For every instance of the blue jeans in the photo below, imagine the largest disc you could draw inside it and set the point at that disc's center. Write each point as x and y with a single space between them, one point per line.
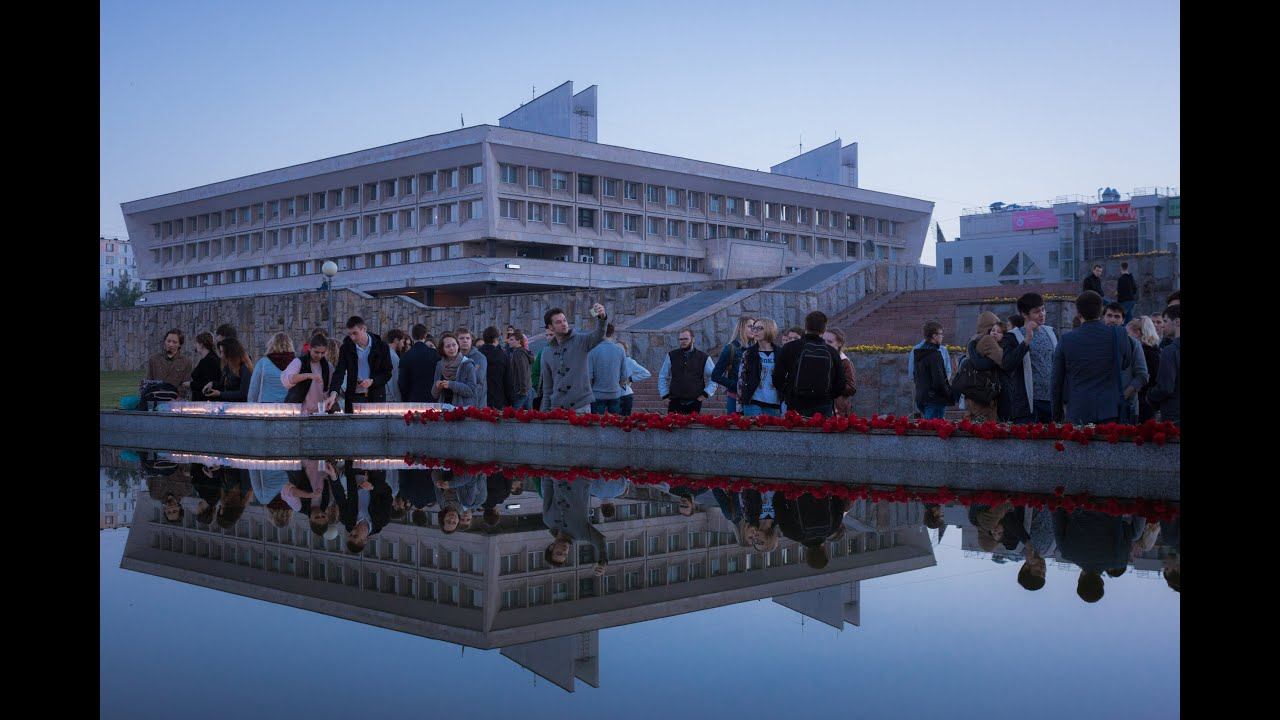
625 402
1127 305
754 410
935 412
525 402
730 405
603 406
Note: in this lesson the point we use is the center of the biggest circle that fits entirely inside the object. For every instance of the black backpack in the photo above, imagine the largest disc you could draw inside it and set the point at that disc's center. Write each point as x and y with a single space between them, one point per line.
978 385
155 392
812 378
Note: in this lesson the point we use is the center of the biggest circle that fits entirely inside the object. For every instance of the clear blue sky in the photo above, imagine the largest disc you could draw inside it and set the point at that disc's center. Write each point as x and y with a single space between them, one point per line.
959 103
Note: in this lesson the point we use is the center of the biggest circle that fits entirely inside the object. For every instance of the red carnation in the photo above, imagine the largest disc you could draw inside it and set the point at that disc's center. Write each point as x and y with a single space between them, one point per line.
1059 446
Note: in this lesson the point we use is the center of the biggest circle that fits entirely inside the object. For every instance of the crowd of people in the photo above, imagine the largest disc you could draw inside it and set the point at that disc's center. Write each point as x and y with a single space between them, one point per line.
1110 368
762 373
1105 370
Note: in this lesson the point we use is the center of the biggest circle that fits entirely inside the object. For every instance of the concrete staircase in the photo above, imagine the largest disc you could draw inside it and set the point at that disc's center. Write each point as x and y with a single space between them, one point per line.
898 319
647 399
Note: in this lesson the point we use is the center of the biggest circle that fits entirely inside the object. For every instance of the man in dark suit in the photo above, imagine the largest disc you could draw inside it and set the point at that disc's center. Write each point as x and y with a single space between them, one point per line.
364 505
1096 542
417 492
364 363
501 390
1088 366
418 368
811 522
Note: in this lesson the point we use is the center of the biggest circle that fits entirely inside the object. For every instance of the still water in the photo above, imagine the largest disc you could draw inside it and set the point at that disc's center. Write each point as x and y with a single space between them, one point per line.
240 594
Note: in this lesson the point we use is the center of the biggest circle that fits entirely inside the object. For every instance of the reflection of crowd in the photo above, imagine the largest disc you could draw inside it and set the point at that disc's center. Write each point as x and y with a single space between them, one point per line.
1098 543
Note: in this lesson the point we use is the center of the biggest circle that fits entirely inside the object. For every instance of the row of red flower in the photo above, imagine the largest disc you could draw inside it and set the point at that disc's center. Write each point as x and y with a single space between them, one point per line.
1148 509
1150 431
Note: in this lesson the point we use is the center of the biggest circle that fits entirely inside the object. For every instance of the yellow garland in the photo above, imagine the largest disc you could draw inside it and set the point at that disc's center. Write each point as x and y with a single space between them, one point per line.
892 348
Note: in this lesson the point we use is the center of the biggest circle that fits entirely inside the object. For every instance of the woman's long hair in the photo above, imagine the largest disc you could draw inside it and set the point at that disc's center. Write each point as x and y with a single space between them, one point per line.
234 356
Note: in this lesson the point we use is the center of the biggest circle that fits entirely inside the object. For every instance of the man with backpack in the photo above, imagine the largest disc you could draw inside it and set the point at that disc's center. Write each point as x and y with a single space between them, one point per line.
685 378
808 371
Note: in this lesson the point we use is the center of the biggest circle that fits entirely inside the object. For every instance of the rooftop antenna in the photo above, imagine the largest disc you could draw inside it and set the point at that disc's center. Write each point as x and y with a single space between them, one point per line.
533 91
461 122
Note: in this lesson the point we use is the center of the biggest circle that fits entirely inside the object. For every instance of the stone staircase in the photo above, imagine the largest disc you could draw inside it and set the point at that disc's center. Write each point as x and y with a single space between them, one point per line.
861 310
898 319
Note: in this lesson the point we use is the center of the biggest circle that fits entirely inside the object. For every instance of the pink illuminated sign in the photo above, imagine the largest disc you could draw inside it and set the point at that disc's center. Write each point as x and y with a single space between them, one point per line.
1034 219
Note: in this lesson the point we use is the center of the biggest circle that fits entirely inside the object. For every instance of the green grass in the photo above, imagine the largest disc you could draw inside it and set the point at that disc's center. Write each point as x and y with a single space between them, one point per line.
115 385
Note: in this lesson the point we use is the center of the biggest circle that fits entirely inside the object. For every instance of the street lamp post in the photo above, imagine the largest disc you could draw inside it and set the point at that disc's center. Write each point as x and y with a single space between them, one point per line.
330 270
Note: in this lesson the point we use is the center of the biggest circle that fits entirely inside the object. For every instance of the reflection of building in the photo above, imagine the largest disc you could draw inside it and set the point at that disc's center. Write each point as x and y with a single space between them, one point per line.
495 591
1015 244
117 491
530 203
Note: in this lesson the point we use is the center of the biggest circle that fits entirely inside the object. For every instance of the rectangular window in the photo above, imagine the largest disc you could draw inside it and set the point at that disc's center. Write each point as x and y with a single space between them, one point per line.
475 174
450 179
988 263
673 196
731 205
388 222
713 203
632 191
474 209
353 195
559 180
536 212
510 174
610 221
946 266
586 184
695 230
446 213
290 208
968 265
610 188
695 200
633 223
428 181
427 216
673 228
654 194
370 224
410 184
655 226
770 211
560 214
586 218
535 177
509 209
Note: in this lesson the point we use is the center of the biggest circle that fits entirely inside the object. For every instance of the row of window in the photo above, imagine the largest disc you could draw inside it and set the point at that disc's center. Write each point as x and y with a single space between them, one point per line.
432 253
348 197
590 185
355 196
331 231
1020 264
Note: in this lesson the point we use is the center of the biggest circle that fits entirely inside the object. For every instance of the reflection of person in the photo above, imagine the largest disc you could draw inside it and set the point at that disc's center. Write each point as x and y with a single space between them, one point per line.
1039 545
499 488
989 522
607 490
460 494
364 505
169 484
811 522
759 521
309 491
1096 542
417 492
566 505
933 516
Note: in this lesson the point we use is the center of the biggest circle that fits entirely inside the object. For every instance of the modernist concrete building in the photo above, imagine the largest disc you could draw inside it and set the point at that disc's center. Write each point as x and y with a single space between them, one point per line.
496 591
1058 241
532 203
115 257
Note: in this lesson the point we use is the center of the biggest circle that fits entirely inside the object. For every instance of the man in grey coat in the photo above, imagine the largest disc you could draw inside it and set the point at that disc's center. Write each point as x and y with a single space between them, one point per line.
566 504
566 372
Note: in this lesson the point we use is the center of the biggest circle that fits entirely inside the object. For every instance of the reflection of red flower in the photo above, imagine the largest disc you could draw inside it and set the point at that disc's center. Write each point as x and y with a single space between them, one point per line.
1059 446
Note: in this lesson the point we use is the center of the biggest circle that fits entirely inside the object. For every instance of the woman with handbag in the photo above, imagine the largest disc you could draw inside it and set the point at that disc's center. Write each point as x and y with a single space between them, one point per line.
984 357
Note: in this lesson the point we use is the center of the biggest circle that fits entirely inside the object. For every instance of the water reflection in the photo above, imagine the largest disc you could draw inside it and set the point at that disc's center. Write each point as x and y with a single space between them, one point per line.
550 562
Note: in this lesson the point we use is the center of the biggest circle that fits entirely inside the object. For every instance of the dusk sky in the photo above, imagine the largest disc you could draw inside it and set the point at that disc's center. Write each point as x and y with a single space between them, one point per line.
962 104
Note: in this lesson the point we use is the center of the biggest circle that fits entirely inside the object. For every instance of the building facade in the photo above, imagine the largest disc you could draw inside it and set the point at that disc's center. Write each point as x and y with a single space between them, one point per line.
1059 241
531 203
117 495
115 258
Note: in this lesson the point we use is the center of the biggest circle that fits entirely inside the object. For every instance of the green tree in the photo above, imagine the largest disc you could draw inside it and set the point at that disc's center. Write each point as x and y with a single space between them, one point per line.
123 294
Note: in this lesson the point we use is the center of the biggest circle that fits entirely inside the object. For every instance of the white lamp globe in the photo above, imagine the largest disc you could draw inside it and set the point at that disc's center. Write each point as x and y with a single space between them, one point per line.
330 268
